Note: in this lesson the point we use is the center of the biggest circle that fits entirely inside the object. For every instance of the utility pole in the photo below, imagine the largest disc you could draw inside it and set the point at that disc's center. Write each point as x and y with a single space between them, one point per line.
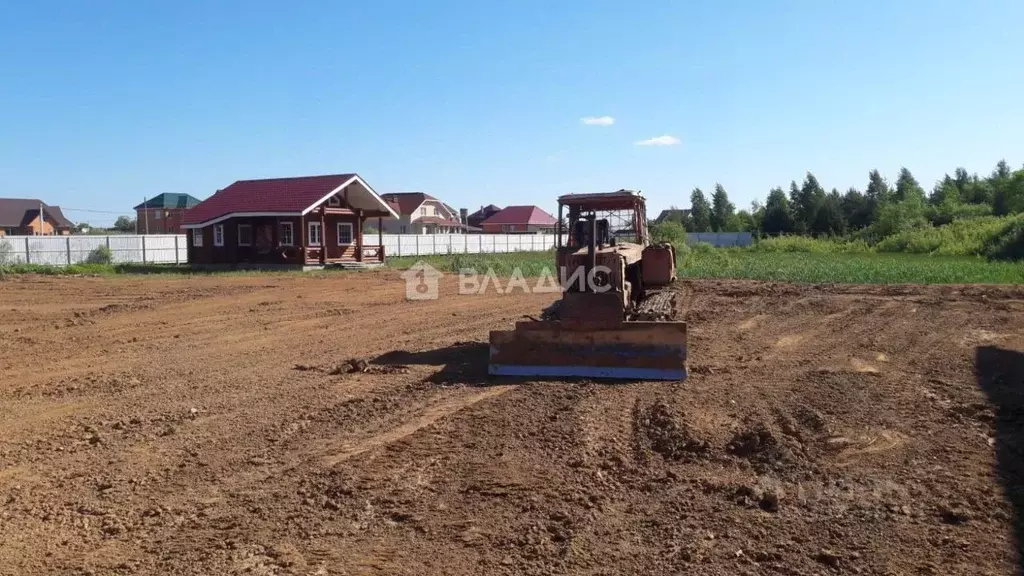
42 219
145 210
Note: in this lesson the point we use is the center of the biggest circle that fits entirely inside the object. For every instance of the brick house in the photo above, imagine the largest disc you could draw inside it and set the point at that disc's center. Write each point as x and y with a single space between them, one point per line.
519 219
163 213
20 217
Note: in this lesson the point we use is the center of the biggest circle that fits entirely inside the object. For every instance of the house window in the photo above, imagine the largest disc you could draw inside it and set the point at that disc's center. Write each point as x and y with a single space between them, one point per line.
314 234
403 230
423 211
197 237
218 235
333 201
344 233
287 238
156 214
508 227
245 234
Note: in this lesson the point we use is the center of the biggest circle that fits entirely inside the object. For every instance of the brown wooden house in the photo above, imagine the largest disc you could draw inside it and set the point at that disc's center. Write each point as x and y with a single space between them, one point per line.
309 221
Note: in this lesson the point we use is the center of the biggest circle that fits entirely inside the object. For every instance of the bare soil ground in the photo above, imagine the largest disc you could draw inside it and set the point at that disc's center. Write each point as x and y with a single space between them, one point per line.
216 425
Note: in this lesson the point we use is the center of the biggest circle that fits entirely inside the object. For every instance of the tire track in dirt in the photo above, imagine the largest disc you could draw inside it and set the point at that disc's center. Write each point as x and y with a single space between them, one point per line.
434 411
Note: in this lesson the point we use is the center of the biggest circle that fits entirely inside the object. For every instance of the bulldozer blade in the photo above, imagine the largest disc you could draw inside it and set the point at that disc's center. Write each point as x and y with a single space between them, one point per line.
617 350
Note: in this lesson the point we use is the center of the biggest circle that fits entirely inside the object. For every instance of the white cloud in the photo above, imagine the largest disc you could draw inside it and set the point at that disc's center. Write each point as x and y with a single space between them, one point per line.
598 120
659 141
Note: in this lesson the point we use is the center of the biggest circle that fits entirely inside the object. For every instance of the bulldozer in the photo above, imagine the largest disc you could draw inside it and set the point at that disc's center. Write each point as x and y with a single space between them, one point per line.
616 318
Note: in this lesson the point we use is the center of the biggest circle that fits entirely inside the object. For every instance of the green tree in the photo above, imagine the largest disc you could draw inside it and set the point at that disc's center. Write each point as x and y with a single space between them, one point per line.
828 217
745 221
798 224
856 210
723 217
124 224
944 191
962 179
808 199
907 187
700 212
999 183
777 217
877 193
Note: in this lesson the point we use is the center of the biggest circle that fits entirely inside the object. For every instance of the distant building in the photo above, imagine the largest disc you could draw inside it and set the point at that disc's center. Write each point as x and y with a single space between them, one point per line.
672 215
519 219
421 213
163 213
485 212
21 217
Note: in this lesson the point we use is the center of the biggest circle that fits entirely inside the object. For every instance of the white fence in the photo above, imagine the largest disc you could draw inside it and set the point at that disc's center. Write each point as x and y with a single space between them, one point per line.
64 250
425 244
172 248
721 239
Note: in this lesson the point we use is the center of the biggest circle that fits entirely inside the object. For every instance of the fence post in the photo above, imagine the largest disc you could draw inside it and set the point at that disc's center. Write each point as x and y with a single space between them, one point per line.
67 245
417 244
28 252
433 243
176 260
143 248
465 243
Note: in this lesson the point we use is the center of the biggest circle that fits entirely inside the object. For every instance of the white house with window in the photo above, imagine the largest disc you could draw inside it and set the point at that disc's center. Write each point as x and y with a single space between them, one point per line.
421 213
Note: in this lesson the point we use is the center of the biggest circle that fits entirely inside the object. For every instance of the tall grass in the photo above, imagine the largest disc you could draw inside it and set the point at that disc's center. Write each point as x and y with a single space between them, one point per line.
959 238
808 245
850 268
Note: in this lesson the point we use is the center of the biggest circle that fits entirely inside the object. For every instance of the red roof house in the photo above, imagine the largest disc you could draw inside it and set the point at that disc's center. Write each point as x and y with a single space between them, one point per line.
519 219
304 221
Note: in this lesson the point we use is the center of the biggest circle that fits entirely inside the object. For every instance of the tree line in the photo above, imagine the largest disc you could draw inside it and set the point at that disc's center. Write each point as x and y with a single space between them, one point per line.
880 210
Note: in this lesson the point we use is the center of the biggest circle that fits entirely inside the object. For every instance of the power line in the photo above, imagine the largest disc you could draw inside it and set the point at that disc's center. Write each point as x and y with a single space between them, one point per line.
93 211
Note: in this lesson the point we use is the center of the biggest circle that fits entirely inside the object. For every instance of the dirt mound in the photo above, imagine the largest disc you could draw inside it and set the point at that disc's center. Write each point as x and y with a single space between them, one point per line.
666 434
355 366
766 450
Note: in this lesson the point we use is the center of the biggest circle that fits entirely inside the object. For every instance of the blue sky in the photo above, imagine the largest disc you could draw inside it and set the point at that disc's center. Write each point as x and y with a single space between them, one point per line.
103 103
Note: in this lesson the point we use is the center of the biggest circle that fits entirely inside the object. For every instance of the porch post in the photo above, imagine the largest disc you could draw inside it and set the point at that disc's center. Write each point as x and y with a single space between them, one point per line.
274 239
380 236
302 240
359 235
323 234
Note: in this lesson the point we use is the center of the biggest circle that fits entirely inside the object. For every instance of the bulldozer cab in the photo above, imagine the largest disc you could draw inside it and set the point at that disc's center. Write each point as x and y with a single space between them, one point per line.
619 217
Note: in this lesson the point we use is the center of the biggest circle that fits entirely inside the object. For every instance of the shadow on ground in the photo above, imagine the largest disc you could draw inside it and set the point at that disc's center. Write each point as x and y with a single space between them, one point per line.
463 363
1000 374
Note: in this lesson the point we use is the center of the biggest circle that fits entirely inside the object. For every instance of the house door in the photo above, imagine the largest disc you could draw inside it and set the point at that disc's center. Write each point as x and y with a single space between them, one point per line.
264 238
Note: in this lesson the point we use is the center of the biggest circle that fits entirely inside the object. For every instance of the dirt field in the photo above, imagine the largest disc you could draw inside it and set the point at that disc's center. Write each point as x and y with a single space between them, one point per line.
194 426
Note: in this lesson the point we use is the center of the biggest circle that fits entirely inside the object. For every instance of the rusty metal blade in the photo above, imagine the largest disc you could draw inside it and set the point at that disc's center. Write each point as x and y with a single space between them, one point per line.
627 350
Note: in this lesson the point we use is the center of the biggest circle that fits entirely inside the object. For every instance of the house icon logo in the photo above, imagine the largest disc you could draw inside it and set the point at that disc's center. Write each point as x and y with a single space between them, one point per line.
421 281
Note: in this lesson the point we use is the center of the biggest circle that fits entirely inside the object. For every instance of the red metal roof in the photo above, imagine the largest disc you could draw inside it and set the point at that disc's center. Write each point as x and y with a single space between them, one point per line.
408 202
290 195
530 215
